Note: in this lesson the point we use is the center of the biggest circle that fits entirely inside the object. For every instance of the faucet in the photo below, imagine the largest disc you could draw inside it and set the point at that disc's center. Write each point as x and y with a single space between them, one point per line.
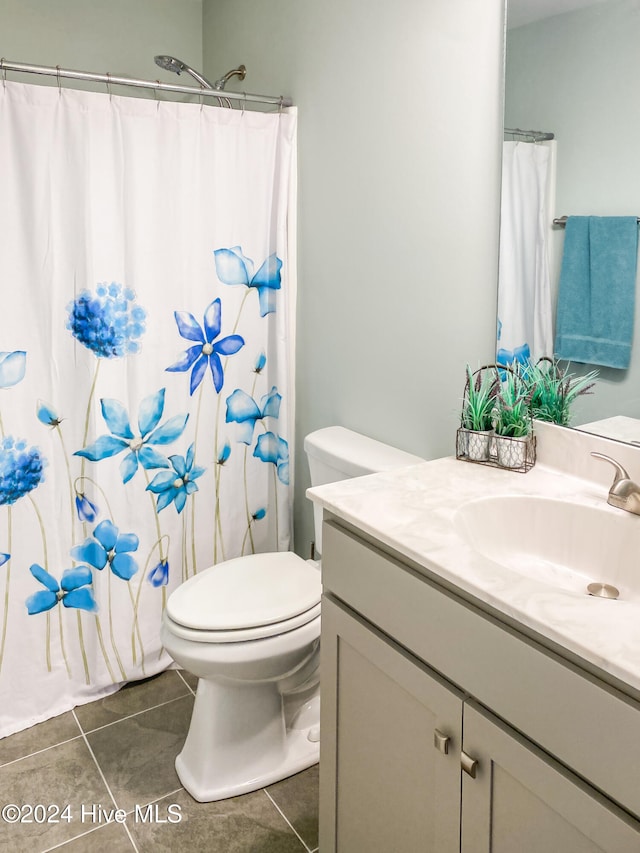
624 493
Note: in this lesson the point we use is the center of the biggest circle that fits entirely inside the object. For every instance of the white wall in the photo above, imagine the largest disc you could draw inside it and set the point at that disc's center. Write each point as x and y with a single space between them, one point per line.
118 36
399 155
576 75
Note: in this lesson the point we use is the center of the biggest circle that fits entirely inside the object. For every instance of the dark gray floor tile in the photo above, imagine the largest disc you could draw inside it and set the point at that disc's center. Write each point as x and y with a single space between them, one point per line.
133 698
42 735
247 824
137 754
64 774
190 678
297 796
112 838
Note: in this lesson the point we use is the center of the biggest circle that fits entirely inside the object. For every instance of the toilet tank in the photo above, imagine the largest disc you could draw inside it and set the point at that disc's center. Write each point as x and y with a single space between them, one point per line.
336 453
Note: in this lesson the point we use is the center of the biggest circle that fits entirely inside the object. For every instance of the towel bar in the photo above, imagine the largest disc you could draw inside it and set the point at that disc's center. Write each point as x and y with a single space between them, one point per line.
562 220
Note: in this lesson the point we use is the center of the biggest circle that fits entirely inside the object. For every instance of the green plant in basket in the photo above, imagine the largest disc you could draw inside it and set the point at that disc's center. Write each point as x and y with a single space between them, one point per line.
555 390
479 400
512 414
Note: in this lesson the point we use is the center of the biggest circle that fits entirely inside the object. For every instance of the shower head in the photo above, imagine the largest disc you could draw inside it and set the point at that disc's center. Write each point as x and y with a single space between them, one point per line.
170 63
240 72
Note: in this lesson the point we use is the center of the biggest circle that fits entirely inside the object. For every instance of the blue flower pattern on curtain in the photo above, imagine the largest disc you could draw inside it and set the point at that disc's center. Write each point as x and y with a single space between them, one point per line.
110 324
205 352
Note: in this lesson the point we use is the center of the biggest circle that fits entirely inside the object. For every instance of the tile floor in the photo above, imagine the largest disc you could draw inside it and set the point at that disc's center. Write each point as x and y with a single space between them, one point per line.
118 752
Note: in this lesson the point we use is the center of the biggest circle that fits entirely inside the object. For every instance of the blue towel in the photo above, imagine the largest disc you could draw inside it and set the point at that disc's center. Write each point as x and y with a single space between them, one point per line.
596 298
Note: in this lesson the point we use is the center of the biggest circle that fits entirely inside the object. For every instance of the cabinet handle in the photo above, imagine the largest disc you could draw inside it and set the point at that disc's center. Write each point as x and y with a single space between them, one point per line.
441 742
469 765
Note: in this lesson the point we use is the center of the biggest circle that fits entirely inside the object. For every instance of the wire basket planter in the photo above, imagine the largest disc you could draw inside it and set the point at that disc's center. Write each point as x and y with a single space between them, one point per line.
485 446
504 451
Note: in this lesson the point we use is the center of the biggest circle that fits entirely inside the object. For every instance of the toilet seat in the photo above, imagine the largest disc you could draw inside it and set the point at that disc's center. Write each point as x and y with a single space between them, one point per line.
241 635
246 598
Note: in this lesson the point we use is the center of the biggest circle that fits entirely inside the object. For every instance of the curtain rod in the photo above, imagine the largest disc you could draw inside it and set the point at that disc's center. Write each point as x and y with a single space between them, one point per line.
109 79
562 221
536 135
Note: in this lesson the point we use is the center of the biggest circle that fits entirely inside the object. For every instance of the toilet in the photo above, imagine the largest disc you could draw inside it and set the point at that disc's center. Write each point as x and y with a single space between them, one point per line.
249 629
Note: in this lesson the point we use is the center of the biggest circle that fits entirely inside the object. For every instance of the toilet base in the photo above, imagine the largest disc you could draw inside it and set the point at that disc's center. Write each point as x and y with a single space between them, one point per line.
244 736
300 753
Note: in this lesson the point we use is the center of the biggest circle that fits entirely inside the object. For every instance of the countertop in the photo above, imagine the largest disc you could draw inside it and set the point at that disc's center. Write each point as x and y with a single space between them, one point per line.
619 427
411 511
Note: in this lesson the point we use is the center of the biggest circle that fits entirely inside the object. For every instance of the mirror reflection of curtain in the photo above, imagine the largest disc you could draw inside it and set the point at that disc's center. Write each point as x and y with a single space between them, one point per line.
525 328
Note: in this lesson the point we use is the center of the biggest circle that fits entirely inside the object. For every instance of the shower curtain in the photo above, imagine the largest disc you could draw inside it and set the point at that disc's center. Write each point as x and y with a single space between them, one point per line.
524 289
147 305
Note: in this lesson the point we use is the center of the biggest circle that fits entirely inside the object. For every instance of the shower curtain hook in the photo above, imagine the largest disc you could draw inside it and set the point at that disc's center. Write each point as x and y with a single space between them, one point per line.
108 85
58 79
281 104
201 96
4 73
155 95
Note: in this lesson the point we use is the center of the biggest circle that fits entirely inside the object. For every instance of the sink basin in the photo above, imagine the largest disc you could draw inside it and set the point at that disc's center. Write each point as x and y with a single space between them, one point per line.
565 544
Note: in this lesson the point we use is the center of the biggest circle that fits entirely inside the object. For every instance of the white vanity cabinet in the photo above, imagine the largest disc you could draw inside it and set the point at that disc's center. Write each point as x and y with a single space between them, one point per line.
417 682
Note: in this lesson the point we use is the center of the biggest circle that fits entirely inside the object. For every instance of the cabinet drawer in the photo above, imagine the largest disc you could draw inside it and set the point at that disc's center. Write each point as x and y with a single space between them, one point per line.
587 725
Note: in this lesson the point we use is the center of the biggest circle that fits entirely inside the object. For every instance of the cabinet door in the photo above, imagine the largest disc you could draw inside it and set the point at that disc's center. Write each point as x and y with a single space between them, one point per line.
522 800
386 781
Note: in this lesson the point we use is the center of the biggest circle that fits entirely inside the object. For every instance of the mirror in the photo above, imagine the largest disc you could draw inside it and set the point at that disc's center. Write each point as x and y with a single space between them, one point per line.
575 74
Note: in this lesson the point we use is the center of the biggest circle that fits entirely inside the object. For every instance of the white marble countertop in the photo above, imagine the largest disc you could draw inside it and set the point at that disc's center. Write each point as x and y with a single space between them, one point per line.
411 510
619 427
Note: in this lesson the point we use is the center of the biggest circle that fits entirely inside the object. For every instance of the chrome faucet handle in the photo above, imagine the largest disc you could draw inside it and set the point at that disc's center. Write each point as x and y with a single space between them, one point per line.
624 493
621 474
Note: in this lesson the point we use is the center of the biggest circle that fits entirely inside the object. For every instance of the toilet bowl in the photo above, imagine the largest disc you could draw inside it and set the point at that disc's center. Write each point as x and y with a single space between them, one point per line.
249 628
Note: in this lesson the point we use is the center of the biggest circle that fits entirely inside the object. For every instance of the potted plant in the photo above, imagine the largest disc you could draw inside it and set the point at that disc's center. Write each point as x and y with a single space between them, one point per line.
554 390
512 420
477 413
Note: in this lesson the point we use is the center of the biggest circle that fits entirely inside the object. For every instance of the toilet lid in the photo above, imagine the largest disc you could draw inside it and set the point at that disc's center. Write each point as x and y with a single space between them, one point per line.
246 592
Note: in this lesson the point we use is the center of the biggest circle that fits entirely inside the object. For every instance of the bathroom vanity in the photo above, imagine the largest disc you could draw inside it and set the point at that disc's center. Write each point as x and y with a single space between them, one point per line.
469 702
